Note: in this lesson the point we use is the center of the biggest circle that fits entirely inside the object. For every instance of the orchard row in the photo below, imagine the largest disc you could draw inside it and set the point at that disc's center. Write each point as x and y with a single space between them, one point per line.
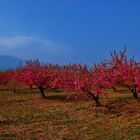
91 82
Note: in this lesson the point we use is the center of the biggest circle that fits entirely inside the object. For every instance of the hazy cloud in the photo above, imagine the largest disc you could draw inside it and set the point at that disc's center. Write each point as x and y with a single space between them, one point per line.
32 47
12 42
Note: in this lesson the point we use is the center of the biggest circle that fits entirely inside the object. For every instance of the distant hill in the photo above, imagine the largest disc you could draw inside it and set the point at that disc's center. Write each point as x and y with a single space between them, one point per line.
9 62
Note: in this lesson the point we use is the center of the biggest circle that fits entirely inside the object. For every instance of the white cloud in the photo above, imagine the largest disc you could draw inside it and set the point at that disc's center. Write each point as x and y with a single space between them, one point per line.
32 47
15 41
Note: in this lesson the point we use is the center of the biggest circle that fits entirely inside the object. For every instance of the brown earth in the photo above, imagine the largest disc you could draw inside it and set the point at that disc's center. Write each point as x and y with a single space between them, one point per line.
28 116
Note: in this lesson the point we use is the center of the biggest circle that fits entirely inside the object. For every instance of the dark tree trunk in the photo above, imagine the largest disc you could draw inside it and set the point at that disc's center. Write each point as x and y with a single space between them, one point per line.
135 94
96 99
14 90
42 92
114 89
90 95
98 104
134 91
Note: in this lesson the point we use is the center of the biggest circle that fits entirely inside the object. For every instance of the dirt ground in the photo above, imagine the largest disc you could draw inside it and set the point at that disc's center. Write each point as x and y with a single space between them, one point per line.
26 116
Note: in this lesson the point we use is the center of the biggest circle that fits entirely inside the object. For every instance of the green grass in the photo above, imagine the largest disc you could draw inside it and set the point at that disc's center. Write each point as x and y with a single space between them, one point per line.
28 116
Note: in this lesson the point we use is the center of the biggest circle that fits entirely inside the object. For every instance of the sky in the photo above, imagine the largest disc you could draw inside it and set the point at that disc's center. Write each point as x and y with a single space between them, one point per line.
63 31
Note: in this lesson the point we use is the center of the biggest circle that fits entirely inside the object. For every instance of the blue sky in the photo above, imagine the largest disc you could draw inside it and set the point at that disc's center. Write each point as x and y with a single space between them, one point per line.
63 31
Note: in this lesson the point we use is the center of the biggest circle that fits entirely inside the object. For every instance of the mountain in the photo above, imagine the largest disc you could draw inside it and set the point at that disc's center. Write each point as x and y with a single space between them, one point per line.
9 62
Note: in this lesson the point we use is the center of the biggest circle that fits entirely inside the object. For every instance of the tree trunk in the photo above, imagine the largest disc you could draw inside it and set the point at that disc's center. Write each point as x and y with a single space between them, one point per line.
42 92
90 95
114 89
96 99
135 94
98 104
14 90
